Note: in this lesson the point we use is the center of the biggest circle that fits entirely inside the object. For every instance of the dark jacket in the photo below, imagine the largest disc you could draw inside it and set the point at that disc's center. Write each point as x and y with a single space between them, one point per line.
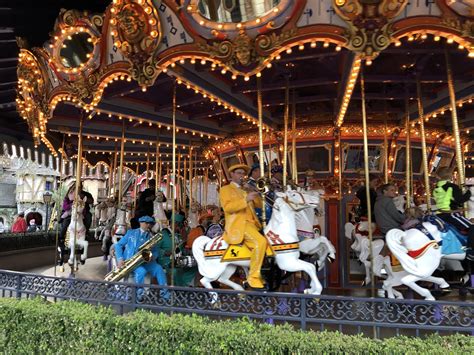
387 215
361 195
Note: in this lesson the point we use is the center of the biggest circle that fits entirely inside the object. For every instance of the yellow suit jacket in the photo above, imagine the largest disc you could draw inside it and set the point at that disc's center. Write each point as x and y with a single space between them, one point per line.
238 212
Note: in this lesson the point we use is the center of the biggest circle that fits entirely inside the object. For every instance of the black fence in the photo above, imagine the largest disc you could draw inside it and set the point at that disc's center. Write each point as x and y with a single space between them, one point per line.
372 316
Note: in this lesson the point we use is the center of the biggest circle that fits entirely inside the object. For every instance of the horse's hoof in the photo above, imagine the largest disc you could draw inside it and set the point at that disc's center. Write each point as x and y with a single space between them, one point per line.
381 293
61 268
446 289
83 262
330 259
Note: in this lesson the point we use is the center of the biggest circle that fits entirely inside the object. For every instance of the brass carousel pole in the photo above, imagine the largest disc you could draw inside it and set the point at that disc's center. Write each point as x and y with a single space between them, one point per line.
78 180
112 174
426 172
135 190
147 166
120 174
190 176
339 165
58 207
294 165
178 182
185 182
206 185
408 184
454 118
367 187
285 133
173 174
260 145
157 163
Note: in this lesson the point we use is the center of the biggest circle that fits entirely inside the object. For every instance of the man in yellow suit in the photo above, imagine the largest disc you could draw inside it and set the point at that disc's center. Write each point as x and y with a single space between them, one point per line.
241 222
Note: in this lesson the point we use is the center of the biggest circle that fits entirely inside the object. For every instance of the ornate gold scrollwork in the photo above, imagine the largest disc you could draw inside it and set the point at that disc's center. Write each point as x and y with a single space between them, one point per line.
31 101
370 31
136 26
244 54
465 27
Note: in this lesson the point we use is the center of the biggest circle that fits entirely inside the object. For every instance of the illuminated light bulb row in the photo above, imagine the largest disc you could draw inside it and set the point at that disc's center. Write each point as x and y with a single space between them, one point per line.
450 39
354 73
158 124
132 140
441 111
219 102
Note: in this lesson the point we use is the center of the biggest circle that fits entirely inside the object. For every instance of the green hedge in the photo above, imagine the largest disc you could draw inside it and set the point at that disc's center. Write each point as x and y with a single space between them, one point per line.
35 326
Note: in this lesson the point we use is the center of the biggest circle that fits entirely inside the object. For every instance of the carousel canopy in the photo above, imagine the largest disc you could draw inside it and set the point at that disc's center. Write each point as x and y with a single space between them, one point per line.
134 66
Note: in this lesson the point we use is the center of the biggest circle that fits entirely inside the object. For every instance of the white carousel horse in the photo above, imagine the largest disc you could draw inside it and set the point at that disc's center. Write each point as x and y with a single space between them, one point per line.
159 213
119 230
193 214
105 213
419 254
361 246
311 240
76 228
280 231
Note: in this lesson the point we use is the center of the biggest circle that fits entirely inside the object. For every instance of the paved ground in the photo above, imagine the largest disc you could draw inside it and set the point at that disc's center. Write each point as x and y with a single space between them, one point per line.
93 269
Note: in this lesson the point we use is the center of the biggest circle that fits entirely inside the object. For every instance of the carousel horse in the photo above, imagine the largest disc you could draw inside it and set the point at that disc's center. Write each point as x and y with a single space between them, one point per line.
419 252
159 213
283 243
361 245
119 230
193 214
76 228
311 240
104 213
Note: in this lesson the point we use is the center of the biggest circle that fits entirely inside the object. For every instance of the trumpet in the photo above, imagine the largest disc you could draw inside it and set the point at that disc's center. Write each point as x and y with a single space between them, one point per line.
262 185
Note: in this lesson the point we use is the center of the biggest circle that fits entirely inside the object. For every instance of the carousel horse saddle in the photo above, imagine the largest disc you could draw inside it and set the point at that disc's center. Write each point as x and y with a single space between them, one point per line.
235 252
452 241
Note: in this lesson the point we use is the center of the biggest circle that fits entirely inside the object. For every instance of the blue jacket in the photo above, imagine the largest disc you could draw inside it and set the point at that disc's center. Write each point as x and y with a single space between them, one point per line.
132 241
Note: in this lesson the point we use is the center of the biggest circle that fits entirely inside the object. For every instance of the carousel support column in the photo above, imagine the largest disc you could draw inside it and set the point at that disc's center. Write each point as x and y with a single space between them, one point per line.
294 163
173 174
367 179
408 184
426 172
260 145
285 133
339 164
120 174
454 117
135 191
78 181
58 207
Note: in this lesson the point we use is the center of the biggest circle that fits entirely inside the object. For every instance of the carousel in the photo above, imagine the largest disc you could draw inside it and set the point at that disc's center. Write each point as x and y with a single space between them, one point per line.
320 96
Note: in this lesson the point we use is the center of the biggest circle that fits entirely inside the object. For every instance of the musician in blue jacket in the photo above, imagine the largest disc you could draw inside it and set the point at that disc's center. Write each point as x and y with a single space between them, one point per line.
129 245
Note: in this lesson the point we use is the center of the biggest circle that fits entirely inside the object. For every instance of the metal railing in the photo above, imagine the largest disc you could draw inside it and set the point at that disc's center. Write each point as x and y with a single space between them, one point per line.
378 316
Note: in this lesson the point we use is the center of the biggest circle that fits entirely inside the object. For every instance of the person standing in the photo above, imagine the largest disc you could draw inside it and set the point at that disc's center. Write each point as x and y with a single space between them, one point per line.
242 224
19 226
450 201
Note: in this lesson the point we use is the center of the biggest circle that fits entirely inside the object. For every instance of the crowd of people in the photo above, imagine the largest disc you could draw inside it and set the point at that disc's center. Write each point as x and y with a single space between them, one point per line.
448 198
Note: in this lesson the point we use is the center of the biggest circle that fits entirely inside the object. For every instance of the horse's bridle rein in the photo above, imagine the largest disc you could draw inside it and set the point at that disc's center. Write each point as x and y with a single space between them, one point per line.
294 205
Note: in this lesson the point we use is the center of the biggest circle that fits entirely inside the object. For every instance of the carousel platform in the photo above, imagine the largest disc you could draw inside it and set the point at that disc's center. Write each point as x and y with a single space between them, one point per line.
94 269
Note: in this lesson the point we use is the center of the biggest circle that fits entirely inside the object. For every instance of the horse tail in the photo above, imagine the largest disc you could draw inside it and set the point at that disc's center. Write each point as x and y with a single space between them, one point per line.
348 229
394 240
198 252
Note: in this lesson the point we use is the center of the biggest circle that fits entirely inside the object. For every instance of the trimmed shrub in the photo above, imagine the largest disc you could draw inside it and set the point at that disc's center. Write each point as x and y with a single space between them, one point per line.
36 326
